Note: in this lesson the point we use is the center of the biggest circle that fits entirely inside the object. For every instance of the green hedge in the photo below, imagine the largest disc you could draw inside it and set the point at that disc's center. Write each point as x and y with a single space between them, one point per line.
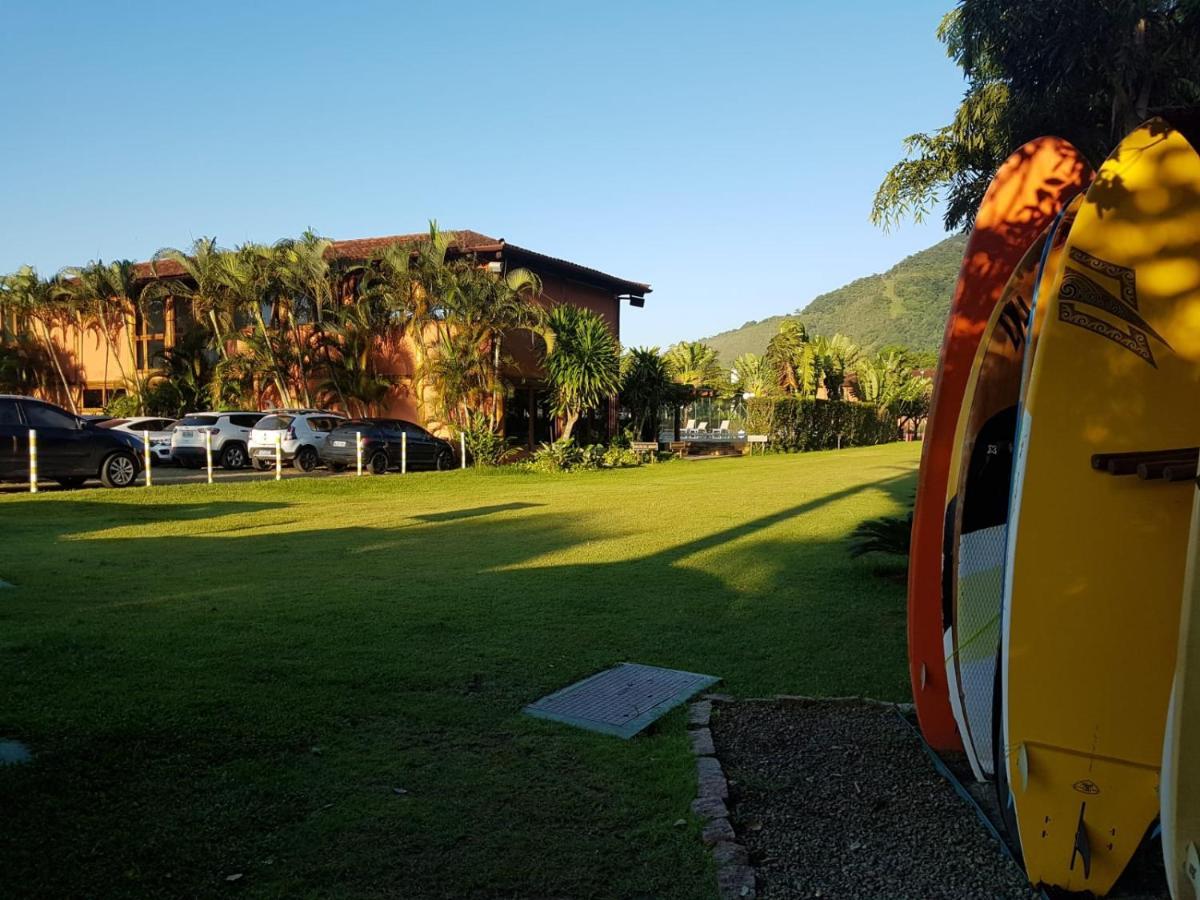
794 425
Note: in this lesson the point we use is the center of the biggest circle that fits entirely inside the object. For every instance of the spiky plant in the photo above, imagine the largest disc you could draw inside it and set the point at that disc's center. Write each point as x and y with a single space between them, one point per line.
890 534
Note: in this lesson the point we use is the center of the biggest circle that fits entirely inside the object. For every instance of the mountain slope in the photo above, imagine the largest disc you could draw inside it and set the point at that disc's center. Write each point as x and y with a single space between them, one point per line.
906 305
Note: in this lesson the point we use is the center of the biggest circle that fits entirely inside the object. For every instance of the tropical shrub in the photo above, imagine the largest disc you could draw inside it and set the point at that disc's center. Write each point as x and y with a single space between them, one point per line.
797 424
484 445
558 456
616 457
889 534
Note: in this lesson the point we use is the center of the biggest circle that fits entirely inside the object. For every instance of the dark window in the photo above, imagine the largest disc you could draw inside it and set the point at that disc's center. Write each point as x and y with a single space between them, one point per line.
320 424
245 421
193 421
42 416
8 413
273 423
151 333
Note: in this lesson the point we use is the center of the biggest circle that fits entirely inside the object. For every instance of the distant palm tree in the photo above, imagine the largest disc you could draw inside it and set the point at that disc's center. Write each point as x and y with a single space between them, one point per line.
583 362
202 286
646 386
34 299
790 357
410 282
695 364
754 375
833 358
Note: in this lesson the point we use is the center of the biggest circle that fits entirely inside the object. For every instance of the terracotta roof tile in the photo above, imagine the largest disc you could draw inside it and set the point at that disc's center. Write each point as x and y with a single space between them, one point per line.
466 241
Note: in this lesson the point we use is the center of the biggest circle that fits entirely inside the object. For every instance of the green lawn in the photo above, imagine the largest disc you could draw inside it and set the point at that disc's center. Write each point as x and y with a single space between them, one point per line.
237 678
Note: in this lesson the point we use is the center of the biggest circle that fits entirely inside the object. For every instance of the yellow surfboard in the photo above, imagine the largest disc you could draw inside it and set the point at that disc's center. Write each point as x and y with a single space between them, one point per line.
1094 561
1180 789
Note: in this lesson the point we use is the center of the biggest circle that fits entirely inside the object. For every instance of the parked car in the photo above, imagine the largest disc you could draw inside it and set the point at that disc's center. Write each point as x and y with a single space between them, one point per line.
382 440
70 449
229 432
160 433
302 434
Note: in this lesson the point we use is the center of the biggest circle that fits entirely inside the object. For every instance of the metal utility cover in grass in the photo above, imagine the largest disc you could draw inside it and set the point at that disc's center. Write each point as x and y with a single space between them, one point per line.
622 700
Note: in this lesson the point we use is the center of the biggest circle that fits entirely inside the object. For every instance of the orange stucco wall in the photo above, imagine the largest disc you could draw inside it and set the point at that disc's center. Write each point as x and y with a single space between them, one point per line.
88 363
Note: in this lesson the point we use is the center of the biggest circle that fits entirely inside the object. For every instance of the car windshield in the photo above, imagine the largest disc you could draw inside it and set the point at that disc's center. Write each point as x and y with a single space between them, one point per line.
198 420
274 423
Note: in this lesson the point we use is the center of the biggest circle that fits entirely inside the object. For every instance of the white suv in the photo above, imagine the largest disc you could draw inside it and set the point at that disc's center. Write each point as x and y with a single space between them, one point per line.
301 432
230 434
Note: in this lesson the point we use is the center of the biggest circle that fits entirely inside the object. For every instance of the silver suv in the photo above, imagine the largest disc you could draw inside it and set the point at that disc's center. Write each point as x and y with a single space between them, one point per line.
301 433
228 431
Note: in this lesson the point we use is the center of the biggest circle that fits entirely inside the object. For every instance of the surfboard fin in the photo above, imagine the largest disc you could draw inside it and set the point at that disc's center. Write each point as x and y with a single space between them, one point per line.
1191 867
1082 849
1023 766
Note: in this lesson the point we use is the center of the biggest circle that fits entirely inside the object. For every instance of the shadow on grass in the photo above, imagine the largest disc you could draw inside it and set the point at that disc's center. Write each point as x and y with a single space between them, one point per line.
474 512
250 703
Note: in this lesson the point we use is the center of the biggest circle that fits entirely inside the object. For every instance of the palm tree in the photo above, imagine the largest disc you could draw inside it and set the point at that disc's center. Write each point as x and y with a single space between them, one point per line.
348 340
107 299
34 299
248 278
583 363
754 376
646 386
834 357
308 286
695 364
790 358
481 309
202 285
410 281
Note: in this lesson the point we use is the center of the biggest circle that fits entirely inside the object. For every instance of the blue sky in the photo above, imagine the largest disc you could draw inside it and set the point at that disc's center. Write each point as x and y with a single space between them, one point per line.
725 153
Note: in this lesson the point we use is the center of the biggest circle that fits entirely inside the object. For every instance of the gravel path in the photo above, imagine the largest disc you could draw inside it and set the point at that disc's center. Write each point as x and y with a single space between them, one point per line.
839 800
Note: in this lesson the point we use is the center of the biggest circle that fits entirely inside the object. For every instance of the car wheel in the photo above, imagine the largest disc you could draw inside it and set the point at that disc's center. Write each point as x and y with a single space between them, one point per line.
233 456
306 459
73 481
262 465
119 470
378 463
443 462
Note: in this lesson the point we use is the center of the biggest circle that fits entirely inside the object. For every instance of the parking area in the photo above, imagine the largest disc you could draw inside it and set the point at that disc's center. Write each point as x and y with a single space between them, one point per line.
170 475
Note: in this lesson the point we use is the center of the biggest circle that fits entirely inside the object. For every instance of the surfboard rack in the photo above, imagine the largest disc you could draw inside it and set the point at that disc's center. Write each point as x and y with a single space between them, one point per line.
1178 464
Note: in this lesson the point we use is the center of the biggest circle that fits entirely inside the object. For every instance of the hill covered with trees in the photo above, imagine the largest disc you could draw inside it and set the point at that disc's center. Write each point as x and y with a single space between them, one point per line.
905 306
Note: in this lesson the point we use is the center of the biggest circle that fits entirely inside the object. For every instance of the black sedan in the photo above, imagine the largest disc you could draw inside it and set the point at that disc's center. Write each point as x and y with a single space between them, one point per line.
70 449
382 441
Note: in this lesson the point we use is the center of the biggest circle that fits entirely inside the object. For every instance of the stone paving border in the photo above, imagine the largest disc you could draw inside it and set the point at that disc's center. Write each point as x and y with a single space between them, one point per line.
735 876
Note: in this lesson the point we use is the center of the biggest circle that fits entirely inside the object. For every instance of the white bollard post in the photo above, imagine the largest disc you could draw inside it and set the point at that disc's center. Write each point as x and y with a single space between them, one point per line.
462 448
278 456
32 461
358 449
208 454
404 453
146 450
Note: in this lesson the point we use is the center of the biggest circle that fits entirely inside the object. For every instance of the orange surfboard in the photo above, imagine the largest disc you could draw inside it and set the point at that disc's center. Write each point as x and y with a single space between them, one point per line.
1023 198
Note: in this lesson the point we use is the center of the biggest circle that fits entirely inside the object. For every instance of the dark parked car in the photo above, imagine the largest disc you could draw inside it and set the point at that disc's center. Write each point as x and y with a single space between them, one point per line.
70 449
381 446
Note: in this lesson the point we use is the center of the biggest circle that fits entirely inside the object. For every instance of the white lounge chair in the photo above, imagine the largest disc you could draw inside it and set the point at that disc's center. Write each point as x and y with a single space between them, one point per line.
722 433
687 430
701 431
